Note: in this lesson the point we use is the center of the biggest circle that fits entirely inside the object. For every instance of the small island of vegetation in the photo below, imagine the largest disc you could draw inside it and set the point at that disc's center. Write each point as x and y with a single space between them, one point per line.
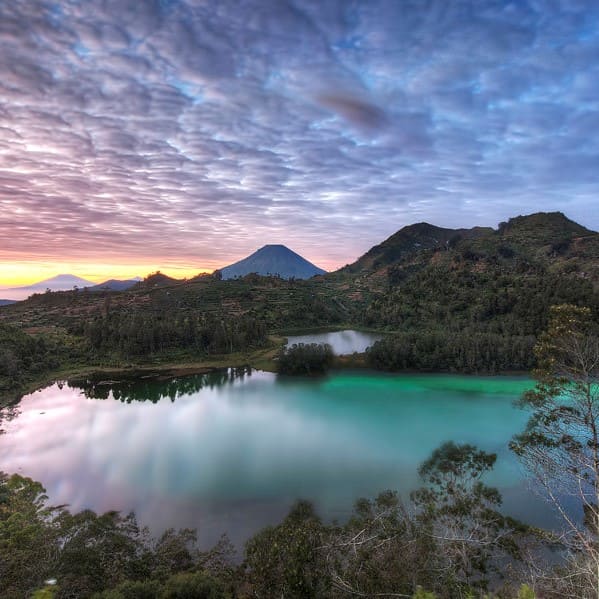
305 358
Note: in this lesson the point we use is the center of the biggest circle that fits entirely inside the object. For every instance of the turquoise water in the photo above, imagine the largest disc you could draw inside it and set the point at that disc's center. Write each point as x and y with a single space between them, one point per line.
231 451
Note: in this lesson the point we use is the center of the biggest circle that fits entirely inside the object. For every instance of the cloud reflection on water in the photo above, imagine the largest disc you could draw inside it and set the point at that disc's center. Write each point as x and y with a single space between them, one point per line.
233 456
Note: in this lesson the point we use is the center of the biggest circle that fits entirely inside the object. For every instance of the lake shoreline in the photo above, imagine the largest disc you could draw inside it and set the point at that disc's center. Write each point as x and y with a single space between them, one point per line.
215 451
177 369
262 359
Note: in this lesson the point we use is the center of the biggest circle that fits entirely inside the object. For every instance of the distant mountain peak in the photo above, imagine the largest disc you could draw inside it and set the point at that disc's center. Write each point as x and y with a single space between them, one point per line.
62 282
273 259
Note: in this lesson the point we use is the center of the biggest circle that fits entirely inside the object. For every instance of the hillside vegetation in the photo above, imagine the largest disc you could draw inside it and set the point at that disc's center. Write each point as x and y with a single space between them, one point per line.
469 300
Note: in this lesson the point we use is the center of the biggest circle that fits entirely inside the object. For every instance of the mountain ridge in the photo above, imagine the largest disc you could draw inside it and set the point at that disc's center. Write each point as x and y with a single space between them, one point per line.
115 285
65 282
547 231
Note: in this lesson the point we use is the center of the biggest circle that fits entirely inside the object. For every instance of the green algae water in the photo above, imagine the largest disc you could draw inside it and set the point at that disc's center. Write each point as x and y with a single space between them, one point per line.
230 452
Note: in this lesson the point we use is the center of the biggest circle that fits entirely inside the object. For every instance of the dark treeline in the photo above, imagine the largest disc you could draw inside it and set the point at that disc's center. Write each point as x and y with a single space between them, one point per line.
464 351
23 356
449 538
144 333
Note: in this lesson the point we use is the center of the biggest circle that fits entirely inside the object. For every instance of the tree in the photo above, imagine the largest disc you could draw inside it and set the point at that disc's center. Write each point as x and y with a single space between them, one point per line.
286 560
381 551
99 551
473 540
560 446
306 358
450 539
28 536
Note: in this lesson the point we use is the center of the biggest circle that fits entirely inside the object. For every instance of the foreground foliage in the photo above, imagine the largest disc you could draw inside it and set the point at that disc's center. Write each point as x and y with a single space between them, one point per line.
89 553
449 538
560 446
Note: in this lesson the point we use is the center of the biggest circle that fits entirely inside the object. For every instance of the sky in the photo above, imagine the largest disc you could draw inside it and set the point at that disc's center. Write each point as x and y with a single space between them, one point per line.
138 135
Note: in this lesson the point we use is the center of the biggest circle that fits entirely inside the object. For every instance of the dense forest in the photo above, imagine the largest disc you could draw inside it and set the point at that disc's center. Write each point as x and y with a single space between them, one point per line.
24 356
468 351
140 334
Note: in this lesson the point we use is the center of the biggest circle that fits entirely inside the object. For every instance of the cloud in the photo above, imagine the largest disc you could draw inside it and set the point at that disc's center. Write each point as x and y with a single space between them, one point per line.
355 110
191 133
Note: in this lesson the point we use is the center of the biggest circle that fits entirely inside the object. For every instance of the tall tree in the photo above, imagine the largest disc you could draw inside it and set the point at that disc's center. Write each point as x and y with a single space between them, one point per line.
560 446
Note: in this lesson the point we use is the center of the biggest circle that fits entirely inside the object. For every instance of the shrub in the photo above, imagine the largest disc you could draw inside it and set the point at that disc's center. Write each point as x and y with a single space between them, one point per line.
311 358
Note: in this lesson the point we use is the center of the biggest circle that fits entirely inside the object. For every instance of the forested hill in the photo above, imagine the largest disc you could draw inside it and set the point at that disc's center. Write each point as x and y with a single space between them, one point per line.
547 243
545 238
456 296
409 241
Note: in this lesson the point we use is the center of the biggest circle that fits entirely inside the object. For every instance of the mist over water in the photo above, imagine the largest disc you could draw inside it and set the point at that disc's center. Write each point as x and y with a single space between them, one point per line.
230 452
342 342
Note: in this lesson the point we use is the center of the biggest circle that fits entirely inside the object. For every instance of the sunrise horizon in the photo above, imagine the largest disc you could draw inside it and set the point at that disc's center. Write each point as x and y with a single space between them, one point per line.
143 136
19 274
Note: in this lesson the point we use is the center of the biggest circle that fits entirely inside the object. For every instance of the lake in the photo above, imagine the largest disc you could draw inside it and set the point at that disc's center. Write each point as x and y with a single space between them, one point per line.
231 451
342 342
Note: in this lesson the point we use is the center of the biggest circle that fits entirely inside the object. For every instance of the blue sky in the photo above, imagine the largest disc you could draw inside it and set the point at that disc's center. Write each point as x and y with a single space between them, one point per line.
183 135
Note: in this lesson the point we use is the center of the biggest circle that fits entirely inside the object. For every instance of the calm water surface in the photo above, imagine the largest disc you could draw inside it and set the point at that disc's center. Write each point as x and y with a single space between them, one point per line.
230 452
342 342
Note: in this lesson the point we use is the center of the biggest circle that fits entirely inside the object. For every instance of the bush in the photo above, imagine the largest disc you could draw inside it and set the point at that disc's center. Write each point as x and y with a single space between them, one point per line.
311 358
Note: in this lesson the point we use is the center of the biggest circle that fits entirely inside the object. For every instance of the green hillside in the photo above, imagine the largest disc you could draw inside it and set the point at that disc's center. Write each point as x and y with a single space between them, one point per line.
475 299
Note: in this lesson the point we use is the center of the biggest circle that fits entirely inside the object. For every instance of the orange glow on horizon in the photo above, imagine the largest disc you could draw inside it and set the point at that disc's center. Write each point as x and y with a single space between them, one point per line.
19 274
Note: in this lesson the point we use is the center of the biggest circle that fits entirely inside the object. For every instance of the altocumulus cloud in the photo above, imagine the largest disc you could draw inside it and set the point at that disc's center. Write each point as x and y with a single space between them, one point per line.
196 131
